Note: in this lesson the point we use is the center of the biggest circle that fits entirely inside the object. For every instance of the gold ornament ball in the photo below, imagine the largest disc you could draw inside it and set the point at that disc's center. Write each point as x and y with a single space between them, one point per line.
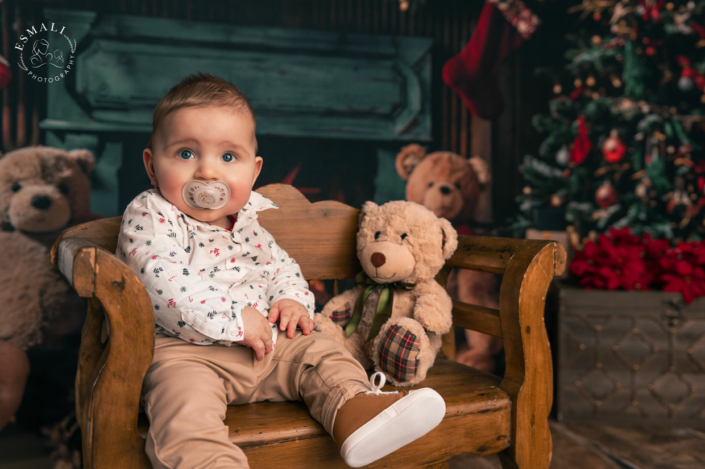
403 6
558 88
556 200
527 190
578 83
590 81
596 39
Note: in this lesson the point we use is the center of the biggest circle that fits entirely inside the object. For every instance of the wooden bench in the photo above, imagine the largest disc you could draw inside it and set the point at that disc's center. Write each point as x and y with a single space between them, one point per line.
485 413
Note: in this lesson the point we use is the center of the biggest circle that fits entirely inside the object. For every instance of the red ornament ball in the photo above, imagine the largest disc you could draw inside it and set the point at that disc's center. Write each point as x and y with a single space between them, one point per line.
613 149
606 195
5 72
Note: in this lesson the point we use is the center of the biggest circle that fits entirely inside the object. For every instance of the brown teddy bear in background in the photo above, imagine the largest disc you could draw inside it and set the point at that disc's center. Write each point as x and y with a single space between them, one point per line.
450 186
43 190
398 326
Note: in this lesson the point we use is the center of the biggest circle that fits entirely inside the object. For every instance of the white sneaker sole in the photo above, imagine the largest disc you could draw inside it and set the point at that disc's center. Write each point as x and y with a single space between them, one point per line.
408 419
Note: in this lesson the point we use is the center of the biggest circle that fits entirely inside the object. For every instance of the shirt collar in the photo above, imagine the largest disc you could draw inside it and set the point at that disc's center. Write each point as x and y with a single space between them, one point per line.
256 203
248 213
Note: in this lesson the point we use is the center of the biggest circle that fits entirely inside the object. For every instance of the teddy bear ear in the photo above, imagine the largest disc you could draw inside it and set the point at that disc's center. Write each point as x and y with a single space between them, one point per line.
367 208
408 158
450 238
84 158
482 170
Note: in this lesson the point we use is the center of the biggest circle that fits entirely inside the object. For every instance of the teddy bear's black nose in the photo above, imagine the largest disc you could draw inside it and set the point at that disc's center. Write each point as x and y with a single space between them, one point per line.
41 202
445 190
378 259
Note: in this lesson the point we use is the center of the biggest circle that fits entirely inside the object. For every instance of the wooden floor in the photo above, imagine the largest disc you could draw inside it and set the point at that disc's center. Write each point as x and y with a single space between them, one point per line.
574 447
579 446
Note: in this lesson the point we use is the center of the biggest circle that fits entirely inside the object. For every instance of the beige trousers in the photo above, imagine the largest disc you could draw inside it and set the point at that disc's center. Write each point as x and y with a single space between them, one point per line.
187 388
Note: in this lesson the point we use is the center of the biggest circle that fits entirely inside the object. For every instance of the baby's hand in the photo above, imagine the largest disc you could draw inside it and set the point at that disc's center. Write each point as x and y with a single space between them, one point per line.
291 313
258 332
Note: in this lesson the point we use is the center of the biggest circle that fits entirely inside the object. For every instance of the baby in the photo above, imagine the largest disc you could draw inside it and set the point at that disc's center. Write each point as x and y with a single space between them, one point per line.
216 278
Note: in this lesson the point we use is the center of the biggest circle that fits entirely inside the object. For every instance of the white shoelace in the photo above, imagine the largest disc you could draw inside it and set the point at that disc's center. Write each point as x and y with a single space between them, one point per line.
377 388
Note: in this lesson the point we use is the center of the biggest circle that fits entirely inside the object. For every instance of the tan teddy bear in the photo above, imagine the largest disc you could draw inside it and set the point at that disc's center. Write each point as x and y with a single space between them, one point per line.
43 190
395 316
450 186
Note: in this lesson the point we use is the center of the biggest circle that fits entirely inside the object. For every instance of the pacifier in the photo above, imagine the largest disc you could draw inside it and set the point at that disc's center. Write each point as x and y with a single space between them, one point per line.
198 194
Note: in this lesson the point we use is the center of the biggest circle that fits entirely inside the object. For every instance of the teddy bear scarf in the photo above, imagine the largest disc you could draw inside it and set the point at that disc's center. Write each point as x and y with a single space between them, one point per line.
384 304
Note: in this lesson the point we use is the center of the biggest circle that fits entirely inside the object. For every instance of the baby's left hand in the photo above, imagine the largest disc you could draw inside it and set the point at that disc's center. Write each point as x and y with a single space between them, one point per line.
291 313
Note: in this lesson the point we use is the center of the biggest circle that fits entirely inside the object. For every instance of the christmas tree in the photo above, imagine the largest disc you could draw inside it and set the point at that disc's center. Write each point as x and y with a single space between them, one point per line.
624 135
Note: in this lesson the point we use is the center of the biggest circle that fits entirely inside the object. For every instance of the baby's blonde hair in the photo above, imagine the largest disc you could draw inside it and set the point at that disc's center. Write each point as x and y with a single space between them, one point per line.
201 89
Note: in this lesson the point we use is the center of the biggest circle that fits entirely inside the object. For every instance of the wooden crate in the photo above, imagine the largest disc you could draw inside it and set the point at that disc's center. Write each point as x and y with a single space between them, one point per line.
629 357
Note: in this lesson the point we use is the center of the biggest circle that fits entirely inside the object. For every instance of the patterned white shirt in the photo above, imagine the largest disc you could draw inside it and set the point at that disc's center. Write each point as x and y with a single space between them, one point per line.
201 276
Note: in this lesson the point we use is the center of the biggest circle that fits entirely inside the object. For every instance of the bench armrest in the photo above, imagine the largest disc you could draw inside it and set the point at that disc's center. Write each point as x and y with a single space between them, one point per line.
528 267
110 375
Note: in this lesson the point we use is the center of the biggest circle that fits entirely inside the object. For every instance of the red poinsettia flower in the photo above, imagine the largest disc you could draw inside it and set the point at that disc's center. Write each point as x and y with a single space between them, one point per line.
699 253
623 265
620 259
687 279
583 263
655 248
624 236
611 266
693 252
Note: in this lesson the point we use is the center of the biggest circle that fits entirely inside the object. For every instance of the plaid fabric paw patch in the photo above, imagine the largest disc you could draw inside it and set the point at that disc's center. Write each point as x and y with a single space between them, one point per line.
341 317
398 353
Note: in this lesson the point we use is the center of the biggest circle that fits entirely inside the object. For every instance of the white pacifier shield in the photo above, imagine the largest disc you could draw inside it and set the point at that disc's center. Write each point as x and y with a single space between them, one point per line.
198 194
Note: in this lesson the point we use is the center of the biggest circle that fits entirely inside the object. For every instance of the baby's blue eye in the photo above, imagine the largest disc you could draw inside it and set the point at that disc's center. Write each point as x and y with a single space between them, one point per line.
187 154
228 157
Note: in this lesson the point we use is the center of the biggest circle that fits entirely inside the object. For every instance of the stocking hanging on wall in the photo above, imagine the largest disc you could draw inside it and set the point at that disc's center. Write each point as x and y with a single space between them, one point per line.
5 72
503 26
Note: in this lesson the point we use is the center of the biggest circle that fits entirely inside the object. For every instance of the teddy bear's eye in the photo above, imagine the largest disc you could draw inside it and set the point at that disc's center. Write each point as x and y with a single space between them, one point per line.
63 188
16 186
404 236
457 185
377 234
430 184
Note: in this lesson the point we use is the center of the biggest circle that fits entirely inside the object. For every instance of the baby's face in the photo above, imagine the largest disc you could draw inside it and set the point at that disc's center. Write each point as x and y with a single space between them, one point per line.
210 143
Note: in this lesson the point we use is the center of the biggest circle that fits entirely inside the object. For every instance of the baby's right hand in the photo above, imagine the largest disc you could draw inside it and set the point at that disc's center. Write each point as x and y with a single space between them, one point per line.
258 332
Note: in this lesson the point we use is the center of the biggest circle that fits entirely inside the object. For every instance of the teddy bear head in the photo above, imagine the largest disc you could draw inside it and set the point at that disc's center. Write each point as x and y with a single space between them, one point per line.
403 241
444 182
44 189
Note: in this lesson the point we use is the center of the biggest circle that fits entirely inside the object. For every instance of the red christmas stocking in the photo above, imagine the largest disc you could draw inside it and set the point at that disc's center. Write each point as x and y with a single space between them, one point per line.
5 72
503 26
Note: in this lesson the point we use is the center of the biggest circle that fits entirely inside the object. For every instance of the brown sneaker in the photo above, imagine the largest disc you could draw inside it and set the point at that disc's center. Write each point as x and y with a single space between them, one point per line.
374 424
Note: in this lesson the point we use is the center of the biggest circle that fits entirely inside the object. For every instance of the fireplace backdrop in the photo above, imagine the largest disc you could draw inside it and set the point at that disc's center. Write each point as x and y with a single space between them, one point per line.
361 77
